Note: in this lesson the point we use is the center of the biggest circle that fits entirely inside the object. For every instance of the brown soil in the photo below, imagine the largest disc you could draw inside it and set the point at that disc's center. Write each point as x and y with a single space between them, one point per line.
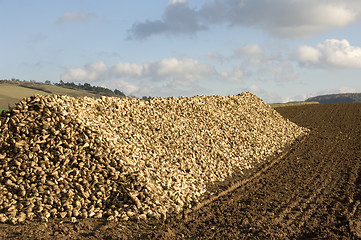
311 192
8 102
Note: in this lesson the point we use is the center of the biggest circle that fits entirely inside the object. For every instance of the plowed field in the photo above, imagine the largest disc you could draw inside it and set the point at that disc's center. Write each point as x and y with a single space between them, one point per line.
313 191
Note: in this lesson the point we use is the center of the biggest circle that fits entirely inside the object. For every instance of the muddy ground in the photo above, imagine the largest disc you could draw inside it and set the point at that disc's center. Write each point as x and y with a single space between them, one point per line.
311 192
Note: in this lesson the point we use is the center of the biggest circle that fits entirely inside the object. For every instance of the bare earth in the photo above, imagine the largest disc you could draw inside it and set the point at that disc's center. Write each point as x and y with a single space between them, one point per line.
311 192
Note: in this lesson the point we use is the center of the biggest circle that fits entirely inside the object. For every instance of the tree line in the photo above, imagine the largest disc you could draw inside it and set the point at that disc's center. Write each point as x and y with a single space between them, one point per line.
71 85
95 89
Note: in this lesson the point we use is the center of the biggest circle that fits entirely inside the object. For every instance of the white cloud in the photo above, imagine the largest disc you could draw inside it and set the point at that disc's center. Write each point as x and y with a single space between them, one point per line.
252 60
253 89
268 97
126 87
307 55
254 55
283 71
235 75
171 73
339 53
128 70
332 53
180 69
177 1
284 18
251 49
75 17
91 72
170 68
264 64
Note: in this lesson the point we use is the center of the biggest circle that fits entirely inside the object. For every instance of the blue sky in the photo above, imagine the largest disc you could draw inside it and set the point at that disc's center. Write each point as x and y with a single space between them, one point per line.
280 50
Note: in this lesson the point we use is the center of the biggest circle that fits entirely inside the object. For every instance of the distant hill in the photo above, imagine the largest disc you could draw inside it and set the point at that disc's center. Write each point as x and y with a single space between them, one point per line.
12 91
336 98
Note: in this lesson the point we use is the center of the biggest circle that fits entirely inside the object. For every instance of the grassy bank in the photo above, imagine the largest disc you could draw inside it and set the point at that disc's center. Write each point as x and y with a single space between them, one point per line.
3 108
277 105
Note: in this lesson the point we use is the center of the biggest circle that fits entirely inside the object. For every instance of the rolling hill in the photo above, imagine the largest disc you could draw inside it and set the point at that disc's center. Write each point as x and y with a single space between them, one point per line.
12 91
336 98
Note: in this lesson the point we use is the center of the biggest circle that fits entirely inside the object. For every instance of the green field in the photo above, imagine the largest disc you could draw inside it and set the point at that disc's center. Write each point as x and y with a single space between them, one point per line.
3 108
277 105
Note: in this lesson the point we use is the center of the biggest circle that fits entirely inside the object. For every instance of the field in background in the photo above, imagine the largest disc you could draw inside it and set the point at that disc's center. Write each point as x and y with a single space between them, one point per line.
3 108
277 105
51 89
10 94
17 92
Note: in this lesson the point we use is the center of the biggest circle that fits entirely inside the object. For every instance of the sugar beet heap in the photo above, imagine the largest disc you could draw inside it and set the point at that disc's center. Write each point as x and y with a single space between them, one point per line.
128 158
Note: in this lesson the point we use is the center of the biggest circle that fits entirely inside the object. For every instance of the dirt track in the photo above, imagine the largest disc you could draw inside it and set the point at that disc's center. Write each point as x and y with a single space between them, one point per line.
314 191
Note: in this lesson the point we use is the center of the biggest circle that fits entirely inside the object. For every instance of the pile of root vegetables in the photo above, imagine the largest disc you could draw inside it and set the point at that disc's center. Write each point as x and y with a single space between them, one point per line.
125 158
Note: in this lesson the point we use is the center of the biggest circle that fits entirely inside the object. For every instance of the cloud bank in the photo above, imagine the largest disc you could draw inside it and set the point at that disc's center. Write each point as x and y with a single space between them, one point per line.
172 74
268 65
332 53
247 65
178 18
282 18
